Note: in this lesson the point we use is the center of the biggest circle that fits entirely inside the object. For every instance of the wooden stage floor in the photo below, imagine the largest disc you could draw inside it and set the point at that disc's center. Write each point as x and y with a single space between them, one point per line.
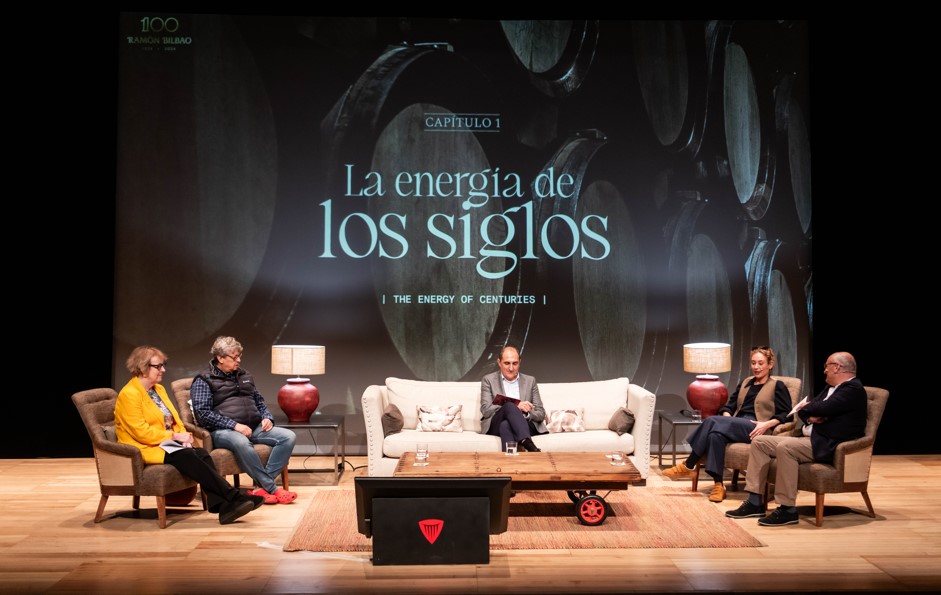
48 543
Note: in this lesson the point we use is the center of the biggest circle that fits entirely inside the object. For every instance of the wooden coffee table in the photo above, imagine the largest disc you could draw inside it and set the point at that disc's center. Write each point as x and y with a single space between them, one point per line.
581 474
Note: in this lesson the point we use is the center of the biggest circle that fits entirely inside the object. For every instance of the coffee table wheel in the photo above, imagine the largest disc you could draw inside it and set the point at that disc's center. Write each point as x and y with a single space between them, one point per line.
591 510
576 495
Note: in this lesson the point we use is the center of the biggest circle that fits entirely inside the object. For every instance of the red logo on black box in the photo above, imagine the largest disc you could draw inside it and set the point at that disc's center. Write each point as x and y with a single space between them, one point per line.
431 529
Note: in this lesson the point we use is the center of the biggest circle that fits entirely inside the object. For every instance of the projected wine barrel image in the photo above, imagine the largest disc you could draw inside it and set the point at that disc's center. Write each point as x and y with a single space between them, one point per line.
197 160
670 58
779 306
748 112
793 141
426 236
556 55
597 243
706 277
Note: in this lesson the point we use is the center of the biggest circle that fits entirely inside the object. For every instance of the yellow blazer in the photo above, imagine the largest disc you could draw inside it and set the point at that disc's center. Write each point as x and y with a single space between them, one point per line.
139 422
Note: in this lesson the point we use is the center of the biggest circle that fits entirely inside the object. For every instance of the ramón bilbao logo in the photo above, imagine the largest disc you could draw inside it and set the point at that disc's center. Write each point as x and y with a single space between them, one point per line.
431 529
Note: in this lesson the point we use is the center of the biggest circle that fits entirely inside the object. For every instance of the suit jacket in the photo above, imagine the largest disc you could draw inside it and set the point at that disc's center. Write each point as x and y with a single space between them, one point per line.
139 422
492 384
845 411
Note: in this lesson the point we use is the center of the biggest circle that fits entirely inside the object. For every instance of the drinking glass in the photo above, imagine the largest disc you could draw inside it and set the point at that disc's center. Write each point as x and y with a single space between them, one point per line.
421 454
697 415
511 448
617 458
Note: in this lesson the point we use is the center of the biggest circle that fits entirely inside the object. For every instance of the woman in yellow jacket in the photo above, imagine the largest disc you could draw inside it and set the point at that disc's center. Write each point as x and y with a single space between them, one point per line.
145 417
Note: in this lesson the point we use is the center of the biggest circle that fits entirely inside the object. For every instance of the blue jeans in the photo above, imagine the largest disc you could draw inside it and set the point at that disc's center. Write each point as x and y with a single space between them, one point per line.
281 441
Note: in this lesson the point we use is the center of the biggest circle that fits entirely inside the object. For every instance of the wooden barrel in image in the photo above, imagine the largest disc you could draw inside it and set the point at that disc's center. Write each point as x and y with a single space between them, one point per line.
380 126
671 59
197 159
600 281
779 307
793 140
555 54
750 71
705 278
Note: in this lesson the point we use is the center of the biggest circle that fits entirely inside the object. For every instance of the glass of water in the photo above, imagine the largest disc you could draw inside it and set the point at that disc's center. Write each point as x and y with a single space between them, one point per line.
421 454
617 458
511 448
697 415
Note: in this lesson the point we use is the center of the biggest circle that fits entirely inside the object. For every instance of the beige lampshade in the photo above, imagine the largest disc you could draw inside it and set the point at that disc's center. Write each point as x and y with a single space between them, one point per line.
707 358
294 360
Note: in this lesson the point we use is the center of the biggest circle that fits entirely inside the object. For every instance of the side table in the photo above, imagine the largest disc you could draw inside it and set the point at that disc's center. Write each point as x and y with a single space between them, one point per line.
324 422
674 420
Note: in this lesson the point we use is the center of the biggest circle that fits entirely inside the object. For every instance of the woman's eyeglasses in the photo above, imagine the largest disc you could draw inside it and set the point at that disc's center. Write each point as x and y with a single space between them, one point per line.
158 366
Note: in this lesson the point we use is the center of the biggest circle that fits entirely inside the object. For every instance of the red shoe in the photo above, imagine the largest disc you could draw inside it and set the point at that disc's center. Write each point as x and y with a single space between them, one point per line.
269 498
283 496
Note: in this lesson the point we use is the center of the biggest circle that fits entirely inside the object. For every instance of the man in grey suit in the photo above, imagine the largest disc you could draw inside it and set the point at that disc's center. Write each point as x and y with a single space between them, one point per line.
512 420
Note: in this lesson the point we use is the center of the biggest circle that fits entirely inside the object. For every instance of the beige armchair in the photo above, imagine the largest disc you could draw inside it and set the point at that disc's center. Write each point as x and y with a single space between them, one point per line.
225 461
121 468
850 469
736 454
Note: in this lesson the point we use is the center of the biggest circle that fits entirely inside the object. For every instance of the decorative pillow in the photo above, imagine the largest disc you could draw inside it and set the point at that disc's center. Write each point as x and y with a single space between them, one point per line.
622 421
565 420
440 419
392 420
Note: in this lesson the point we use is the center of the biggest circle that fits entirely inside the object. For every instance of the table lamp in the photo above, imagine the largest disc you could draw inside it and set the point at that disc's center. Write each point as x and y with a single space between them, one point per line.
298 398
707 393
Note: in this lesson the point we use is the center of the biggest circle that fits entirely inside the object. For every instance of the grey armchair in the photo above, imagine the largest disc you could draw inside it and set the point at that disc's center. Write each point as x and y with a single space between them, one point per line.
225 461
121 468
851 463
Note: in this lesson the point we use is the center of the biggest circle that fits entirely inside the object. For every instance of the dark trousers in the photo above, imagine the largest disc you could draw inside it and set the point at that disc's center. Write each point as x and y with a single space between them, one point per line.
196 464
510 424
711 438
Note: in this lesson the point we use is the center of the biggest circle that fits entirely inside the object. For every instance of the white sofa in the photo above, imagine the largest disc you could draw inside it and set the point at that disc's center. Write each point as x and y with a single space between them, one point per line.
599 400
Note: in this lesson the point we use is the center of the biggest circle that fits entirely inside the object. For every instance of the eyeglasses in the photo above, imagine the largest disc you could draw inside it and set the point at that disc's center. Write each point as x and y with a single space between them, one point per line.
828 364
236 356
158 366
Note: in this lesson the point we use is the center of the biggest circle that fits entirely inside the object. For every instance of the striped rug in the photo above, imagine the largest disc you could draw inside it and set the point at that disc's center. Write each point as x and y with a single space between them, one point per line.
641 517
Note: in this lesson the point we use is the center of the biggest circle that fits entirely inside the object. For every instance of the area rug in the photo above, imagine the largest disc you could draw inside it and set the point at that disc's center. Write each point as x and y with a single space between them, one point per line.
641 517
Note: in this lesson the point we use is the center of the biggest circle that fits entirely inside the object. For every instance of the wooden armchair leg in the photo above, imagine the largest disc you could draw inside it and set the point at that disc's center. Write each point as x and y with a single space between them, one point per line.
162 511
872 512
735 480
284 478
101 508
136 503
820 509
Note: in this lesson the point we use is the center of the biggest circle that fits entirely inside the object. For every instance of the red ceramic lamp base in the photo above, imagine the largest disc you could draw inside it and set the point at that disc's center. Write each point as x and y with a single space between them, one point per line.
707 394
298 399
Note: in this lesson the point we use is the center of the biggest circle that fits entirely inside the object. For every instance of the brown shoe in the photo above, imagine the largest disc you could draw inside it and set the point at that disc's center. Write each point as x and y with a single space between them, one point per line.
679 471
718 493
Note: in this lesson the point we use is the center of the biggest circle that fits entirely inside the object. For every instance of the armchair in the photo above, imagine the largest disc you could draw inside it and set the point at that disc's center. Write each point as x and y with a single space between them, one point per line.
736 454
121 468
850 469
225 461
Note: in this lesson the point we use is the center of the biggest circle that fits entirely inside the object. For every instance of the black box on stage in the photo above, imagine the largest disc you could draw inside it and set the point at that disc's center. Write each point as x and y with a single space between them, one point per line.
452 530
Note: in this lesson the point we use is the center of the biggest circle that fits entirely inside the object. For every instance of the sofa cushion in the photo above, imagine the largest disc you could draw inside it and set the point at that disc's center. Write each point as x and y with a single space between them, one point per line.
565 420
599 399
408 395
622 421
439 418
392 420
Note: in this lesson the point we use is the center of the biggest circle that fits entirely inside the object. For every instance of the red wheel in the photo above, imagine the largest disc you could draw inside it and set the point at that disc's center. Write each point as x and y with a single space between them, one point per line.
591 510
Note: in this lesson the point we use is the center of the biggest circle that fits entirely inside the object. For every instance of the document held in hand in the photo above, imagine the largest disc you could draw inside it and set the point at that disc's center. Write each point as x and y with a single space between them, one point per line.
799 405
501 399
